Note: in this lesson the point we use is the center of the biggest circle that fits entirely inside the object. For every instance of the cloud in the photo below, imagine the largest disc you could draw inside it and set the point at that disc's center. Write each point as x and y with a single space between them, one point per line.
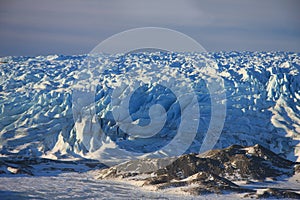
32 27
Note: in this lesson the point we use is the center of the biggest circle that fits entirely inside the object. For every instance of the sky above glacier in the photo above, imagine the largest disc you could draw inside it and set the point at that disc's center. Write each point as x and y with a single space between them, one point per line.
35 27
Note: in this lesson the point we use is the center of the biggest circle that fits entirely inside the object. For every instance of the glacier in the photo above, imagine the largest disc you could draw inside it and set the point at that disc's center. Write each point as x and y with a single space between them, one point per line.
39 117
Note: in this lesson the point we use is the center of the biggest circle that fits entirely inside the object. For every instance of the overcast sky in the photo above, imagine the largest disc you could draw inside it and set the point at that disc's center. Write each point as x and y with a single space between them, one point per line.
40 27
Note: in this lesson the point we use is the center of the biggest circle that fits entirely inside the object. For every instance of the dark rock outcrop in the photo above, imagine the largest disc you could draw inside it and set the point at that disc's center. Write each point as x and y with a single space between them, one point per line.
212 172
36 166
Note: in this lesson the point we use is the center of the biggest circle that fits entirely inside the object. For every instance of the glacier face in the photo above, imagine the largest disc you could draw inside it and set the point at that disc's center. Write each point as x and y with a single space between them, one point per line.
39 117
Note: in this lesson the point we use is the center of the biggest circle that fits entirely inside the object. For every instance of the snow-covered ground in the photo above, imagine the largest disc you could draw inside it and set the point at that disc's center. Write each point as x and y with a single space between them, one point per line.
84 186
70 186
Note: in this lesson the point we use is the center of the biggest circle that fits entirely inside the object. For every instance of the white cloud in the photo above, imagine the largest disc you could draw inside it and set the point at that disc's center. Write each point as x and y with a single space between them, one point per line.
71 26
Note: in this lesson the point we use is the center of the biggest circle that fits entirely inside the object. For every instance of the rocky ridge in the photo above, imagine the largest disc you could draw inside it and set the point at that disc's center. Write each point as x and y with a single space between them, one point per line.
216 171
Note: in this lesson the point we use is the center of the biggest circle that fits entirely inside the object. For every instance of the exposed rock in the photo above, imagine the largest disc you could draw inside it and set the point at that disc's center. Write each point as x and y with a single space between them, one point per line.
276 193
14 167
250 163
205 183
297 168
36 166
212 172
